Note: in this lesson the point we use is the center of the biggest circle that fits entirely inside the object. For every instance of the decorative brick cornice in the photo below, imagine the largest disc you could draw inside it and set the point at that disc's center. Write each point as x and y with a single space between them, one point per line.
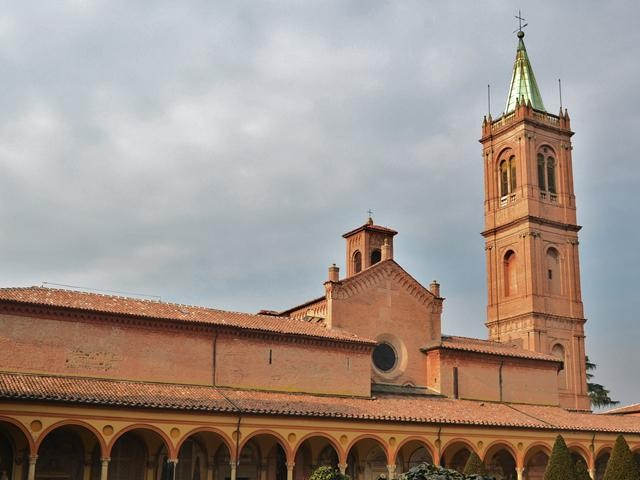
375 275
533 219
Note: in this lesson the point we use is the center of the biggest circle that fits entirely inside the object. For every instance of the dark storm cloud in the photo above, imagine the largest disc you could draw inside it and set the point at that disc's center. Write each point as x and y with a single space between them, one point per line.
213 152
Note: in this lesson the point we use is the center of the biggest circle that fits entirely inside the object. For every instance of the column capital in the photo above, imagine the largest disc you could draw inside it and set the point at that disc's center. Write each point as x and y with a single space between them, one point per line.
290 465
105 459
342 467
33 459
233 464
172 460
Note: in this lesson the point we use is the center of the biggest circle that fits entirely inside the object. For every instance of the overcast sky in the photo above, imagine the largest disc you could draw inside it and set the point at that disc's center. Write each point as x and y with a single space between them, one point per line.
213 152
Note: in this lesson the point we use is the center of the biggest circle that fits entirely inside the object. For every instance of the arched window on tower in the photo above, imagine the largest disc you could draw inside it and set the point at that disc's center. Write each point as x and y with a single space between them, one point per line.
357 261
547 174
551 175
542 174
504 179
510 274
376 256
553 272
508 179
512 174
558 352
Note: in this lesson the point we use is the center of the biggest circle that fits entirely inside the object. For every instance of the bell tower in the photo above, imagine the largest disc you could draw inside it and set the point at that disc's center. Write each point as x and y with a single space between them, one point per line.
368 245
531 232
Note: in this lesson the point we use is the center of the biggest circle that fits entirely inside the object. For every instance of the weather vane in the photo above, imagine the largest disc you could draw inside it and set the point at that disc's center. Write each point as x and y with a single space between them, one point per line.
370 212
520 20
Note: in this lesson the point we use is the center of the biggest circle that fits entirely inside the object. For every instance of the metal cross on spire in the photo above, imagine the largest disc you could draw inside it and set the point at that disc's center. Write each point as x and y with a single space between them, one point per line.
370 212
520 20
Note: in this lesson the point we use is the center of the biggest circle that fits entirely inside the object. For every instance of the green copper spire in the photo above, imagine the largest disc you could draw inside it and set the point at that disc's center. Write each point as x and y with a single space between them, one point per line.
523 82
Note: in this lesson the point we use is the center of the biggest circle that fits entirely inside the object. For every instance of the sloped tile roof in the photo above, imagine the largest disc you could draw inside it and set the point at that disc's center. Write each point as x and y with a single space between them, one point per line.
111 392
626 410
370 226
135 307
383 407
489 347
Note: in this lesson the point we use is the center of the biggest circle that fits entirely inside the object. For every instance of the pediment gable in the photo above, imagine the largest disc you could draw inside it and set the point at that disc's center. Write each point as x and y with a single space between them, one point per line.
379 274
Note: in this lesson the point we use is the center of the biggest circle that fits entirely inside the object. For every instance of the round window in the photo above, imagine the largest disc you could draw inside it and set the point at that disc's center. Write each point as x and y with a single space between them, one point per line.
384 357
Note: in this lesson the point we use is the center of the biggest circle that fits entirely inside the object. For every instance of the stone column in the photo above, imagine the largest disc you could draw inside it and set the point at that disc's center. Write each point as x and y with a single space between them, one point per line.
264 469
152 464
174 463
104 467
234 467
520 473
31 475
86 467
391 472
343 468
592 473
290 466
211 468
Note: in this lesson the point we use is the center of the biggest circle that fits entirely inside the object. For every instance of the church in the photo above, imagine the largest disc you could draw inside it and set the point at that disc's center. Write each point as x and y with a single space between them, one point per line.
362 377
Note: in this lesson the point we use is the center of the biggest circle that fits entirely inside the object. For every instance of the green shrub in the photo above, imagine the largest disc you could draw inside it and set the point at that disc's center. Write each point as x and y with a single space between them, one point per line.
425 471
474 465
328 473
582 472
560 466
621 465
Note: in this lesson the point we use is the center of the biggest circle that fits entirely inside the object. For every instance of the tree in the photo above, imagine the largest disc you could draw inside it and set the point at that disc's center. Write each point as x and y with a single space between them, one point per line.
597 393
474 465
560 466
621 465
582 472
328 473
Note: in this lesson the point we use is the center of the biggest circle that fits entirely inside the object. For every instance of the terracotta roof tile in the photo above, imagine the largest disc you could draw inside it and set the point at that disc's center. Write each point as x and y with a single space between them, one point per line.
171 311
111 392
490 347
626 410
565 420
383 407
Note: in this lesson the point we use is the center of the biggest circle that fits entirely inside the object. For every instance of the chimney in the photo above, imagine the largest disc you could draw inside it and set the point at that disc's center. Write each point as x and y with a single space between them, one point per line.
435 288
334 273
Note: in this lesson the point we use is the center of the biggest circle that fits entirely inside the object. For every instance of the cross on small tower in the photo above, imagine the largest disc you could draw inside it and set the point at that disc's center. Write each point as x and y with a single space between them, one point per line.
370 219
370 212
520 20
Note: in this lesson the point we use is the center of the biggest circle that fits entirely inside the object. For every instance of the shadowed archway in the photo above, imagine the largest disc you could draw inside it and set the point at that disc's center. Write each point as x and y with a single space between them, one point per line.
70 452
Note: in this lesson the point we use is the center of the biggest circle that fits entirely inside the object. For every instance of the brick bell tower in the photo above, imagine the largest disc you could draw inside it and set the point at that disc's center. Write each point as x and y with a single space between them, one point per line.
531 232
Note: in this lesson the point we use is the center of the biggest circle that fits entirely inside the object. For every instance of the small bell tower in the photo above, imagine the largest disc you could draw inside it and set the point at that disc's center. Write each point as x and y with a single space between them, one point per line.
368 245
531 232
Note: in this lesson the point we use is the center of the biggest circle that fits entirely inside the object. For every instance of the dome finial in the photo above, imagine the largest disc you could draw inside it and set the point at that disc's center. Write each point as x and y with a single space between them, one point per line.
520 25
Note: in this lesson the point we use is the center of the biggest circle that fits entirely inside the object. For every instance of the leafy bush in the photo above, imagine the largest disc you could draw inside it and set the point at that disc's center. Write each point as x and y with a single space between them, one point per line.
621 465
328 473
560 466
474 465
425 471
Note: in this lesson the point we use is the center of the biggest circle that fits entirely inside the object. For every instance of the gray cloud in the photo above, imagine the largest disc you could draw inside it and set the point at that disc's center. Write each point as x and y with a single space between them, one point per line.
213 152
